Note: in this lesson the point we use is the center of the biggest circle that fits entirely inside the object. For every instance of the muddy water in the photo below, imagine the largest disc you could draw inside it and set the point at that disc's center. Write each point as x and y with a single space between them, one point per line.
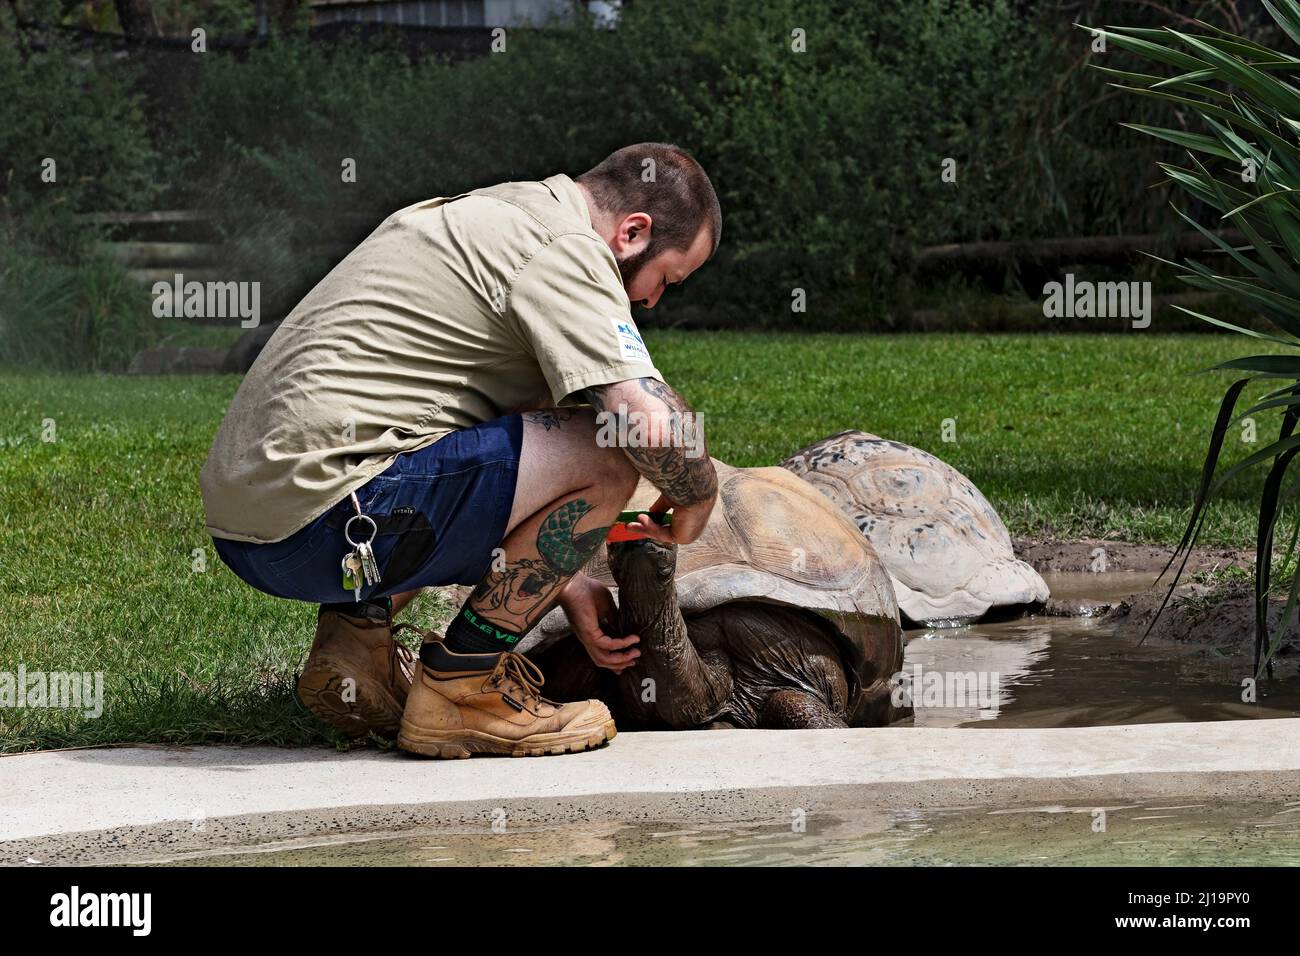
1162 832
1075 671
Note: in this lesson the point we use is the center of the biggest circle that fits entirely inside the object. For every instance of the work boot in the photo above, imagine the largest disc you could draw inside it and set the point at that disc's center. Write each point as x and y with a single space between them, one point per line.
463 704
357 676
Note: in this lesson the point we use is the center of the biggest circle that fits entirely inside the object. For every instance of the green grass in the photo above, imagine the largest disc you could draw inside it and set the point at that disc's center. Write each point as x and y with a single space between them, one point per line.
181 334
1084 436
1074 436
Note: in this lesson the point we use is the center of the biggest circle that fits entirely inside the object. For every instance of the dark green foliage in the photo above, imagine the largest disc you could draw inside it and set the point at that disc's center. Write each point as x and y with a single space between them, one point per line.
80 314
62 305
827 161
1243 168
59 104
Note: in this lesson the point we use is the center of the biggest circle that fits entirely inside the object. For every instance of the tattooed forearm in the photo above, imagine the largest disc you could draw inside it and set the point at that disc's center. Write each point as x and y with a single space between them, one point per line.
675 459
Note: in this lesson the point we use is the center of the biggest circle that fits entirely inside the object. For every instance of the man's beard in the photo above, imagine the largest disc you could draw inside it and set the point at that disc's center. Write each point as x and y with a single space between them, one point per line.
630 266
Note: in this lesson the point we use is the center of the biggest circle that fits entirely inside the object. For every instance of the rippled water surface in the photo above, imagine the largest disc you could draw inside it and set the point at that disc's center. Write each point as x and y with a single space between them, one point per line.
1074 672
1149 834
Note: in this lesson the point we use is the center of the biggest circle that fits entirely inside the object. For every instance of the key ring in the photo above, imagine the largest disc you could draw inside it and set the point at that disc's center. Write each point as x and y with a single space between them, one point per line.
347 530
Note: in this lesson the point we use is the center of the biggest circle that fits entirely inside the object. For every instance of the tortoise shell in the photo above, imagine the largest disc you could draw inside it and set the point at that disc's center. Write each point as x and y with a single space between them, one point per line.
946 549
773 538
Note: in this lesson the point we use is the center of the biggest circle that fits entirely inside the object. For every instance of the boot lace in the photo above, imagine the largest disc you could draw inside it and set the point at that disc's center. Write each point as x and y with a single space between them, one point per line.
401 659
517 671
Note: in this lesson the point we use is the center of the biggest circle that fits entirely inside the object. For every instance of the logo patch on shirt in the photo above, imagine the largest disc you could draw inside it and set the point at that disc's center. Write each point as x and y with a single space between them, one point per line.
630 344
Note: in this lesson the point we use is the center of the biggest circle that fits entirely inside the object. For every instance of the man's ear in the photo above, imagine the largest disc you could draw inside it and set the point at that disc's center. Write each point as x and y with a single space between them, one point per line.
633 233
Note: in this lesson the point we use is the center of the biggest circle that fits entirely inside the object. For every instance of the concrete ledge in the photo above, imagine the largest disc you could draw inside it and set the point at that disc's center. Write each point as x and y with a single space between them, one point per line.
138 803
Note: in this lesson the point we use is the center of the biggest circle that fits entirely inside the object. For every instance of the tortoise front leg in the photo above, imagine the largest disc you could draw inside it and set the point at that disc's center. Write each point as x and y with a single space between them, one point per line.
689 689
790 709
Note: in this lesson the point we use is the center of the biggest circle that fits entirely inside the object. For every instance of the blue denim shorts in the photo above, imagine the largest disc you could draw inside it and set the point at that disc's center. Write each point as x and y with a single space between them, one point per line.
440 512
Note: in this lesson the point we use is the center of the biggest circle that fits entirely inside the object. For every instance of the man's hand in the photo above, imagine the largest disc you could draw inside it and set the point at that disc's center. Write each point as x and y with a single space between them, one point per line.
688 522
590 608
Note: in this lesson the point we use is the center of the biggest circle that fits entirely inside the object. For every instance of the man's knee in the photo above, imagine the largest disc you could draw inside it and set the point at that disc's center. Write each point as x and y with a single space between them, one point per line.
612 472
586 451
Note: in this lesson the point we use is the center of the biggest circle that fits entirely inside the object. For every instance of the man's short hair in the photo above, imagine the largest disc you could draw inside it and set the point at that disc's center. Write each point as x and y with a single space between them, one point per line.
666 183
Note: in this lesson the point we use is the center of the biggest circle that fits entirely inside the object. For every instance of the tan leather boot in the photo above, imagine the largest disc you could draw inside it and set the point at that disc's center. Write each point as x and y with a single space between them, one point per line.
465 704
357 677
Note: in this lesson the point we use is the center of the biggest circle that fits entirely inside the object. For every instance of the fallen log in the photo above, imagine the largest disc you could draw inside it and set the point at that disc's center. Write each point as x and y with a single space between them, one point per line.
1053 253
160 255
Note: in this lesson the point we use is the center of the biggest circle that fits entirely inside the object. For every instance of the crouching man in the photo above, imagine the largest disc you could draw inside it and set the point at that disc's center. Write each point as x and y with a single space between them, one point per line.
377 446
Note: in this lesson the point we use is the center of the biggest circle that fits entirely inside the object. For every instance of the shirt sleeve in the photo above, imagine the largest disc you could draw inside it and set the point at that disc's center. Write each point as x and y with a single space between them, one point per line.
571 309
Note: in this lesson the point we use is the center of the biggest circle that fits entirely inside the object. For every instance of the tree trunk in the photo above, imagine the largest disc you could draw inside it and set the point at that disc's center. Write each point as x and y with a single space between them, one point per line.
136 18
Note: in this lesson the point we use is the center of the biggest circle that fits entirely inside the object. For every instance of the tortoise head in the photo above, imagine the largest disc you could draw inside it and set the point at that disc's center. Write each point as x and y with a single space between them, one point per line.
647 594
643 569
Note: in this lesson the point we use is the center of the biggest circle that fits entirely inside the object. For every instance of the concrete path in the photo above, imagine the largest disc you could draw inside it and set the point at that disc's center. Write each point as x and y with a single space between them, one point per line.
46 799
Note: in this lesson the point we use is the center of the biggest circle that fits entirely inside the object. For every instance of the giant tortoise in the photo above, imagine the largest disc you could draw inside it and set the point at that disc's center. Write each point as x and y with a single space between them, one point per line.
945 548
779 615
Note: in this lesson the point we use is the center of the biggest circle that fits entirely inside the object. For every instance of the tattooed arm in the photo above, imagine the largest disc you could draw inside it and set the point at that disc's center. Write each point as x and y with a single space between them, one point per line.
665 441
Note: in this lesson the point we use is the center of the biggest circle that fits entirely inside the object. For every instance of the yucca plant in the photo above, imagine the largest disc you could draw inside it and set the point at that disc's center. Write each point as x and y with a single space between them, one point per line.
1244 165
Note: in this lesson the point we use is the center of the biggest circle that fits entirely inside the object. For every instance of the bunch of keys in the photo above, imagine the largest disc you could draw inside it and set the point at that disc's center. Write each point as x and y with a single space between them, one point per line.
359 564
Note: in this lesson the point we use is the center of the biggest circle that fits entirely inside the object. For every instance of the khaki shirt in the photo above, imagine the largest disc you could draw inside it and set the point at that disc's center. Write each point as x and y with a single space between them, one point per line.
453 312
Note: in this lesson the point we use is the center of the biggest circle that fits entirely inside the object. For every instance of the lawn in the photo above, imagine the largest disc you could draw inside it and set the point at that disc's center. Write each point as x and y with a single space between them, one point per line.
106 567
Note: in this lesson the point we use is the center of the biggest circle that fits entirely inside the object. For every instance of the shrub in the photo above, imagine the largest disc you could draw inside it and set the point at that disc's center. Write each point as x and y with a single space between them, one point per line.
84 115
827 161
1243 165
82 315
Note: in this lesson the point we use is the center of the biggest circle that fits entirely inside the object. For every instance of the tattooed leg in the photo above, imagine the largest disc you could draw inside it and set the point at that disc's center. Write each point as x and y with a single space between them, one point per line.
569 492
549 418
522 586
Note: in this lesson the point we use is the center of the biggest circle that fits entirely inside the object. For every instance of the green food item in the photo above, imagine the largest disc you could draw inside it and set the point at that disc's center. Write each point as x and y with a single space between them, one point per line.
658 517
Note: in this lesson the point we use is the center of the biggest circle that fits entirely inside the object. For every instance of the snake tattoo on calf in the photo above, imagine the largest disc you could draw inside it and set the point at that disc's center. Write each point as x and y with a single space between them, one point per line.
524 587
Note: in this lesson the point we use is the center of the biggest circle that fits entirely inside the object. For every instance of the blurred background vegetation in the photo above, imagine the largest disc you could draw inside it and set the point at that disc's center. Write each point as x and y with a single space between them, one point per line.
828 162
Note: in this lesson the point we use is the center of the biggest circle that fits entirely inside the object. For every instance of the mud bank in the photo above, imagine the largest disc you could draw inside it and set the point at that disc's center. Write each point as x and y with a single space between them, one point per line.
1099 555
1216 619
1211 611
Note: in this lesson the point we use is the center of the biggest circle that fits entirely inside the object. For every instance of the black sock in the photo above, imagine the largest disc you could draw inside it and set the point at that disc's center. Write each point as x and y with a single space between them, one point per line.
468 633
